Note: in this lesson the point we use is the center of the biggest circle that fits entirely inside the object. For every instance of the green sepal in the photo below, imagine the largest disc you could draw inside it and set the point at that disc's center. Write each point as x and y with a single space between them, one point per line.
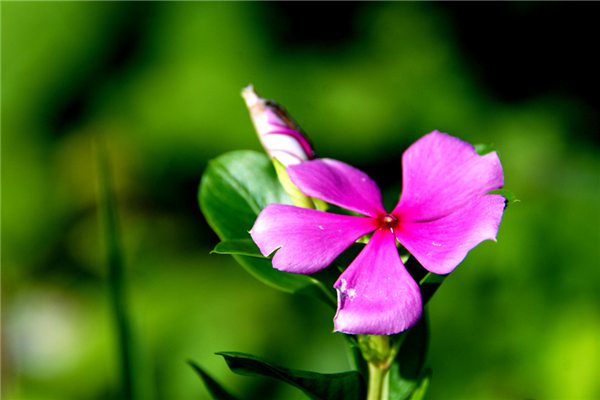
320 204
216 391
340 386
298 198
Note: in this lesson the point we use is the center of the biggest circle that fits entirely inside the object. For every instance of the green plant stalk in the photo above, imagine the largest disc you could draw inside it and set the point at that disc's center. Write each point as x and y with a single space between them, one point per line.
116 279
379 351
377 389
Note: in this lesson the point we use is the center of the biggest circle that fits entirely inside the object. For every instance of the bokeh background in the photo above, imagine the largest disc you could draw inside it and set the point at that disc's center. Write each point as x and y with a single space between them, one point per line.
159 84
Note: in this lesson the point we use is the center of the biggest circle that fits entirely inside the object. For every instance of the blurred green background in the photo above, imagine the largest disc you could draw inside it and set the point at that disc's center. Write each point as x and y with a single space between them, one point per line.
159 84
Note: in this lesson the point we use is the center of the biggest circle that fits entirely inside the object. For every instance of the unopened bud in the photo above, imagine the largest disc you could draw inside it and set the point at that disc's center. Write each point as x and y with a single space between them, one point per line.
280 136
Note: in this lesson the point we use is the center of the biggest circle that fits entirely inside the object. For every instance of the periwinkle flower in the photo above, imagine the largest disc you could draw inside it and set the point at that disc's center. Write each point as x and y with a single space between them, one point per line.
280 136
444 211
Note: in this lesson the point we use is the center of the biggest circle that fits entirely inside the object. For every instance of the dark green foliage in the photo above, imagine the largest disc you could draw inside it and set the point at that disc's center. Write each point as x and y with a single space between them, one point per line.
340 386
214 388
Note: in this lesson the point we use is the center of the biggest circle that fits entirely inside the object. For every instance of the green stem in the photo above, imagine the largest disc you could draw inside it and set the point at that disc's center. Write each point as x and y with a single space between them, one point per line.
116 275
377 382
379 351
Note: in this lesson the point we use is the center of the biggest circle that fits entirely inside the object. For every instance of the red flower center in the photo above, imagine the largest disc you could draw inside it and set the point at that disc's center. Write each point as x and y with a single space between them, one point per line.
388 221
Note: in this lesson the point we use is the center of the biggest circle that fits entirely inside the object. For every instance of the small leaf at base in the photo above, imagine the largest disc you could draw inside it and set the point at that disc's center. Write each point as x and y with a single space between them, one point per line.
343 386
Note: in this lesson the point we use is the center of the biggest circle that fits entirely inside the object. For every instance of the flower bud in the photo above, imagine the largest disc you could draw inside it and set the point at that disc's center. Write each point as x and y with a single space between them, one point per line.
280 136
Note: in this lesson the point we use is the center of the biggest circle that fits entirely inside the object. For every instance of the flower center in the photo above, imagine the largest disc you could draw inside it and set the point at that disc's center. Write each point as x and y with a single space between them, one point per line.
388 221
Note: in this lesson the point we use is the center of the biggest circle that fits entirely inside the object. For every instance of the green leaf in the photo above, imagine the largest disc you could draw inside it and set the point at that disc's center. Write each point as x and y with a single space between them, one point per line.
420 392
432 278
355 356
235 187
343 386
429 285
406 373
214 388
429 282
243 247
483 149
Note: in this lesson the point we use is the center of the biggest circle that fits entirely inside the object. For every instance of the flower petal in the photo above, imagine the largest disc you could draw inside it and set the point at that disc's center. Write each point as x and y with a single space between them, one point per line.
338 183
441 174
376 295
308 240
440 245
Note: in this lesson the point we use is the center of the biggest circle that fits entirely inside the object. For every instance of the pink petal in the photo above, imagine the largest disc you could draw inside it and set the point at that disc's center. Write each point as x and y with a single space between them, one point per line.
338 183
440 245
441 174
308 240
376 295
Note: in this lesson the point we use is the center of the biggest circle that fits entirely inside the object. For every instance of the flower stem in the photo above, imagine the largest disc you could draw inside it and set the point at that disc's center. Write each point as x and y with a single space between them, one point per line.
379 351
377 382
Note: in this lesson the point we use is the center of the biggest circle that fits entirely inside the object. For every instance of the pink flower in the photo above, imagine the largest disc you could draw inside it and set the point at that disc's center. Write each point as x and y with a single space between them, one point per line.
444 211
280 136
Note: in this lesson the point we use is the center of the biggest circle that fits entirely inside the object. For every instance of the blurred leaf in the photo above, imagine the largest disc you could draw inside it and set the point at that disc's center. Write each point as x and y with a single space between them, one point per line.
235 187
214 388
483 149
420 392
406 372
116 275
344 385
244 247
